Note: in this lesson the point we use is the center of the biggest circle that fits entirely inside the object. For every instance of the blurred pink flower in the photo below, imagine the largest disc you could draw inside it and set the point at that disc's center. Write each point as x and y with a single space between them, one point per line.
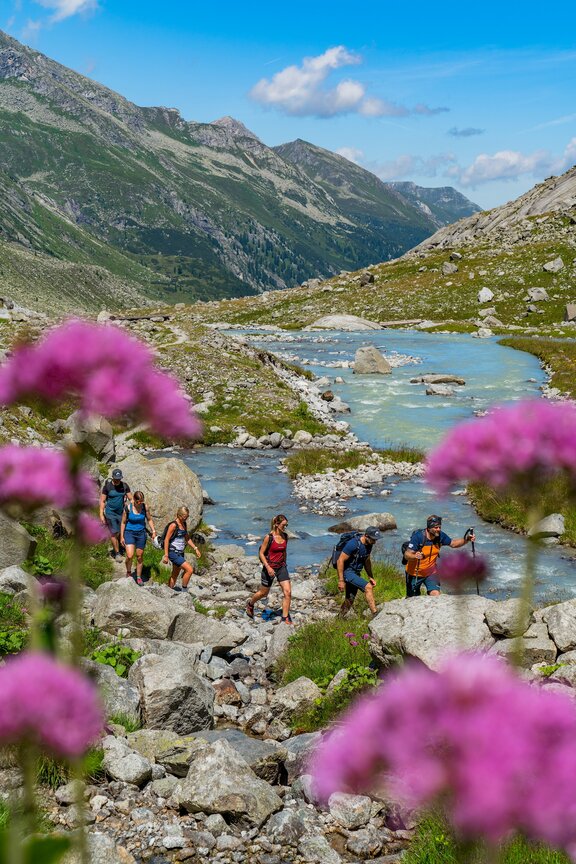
459 568
349 635
498 753
366 635
353 643
110 372
52 589
33 477
534 438
48 704
90 530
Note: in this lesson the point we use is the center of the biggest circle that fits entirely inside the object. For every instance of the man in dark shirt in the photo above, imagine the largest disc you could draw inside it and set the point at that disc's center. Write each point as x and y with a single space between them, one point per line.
112 501
354 556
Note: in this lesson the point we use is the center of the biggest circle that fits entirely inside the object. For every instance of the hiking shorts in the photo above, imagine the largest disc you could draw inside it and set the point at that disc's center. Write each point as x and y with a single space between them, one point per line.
280 573
175 557
415 583
354 583
113 521
135 538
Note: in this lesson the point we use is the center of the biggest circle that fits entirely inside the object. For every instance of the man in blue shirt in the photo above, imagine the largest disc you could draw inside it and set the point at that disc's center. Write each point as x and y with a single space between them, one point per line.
354 556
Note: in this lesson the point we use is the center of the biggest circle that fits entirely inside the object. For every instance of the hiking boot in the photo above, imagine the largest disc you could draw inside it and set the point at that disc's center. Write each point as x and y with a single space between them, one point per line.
119 558
139 580
185 589
344 609
250 609
287 620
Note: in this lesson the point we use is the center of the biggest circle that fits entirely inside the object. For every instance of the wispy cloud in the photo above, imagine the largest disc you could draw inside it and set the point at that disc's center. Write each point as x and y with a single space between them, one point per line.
353 154
467 132
66 8
303 91
512 164
408 165
559 121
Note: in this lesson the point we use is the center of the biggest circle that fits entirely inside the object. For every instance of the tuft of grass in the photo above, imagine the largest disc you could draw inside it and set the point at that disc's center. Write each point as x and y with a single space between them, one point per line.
402 453
434 843
510 510
145 438
200 608
220 612
320 649
13 625
358 679
51 772
96 563
93 770
125 720
92 638
322 459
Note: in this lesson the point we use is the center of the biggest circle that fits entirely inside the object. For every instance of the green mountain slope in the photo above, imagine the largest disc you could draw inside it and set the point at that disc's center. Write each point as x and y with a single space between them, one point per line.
189 210
393 215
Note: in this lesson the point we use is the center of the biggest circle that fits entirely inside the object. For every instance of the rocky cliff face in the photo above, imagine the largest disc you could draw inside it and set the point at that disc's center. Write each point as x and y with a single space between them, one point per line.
444 205
189 210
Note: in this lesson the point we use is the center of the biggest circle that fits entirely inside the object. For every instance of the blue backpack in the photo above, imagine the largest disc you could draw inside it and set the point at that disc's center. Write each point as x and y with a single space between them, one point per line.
344 538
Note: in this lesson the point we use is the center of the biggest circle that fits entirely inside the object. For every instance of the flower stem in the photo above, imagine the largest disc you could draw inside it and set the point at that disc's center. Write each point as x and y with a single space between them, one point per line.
527 592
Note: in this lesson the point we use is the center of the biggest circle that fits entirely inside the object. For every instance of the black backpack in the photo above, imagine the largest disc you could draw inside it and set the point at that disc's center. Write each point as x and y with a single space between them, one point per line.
344 538
162 538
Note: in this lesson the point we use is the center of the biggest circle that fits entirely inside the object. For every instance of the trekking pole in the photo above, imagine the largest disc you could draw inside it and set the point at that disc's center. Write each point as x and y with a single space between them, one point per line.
468 532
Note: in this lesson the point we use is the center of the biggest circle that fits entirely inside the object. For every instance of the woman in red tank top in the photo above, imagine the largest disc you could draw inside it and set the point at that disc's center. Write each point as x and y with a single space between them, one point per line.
273 558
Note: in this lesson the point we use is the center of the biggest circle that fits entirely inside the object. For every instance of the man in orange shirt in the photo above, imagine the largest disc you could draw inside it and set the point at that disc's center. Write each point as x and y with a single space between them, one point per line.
422 556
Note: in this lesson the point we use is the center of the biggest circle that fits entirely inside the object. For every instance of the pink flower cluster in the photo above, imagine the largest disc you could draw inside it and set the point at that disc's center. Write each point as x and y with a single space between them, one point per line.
109 371
32 477
461 567
499 753
49 704
534 438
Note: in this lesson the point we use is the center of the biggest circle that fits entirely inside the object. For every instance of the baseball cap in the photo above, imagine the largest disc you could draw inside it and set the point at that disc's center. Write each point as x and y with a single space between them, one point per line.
433 521
373 533
116 474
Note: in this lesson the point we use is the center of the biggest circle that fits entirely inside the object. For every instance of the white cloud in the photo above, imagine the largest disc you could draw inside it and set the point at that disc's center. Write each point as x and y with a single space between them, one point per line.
511 164
353 154
301 91
467 132
66 8
408 165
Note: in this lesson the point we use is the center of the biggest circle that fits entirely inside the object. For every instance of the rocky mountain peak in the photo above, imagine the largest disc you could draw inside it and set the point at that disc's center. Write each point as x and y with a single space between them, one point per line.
234 127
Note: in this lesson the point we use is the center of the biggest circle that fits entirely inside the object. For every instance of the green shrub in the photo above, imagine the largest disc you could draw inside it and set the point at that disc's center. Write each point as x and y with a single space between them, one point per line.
325 709
12 641
117 655
42 566
92 638
52 556
13 630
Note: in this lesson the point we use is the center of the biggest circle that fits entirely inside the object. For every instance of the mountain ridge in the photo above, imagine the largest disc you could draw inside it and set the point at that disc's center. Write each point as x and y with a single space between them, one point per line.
189 210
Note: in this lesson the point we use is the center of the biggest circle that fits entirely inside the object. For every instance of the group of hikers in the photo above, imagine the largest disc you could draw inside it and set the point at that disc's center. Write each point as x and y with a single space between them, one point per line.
127 518
128 521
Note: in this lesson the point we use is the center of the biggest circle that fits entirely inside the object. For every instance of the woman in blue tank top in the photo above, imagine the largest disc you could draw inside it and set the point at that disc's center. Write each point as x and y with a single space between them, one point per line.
133 533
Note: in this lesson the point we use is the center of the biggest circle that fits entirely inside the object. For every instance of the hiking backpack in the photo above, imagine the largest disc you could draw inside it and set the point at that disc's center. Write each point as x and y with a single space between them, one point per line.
404 547
162 538
344 538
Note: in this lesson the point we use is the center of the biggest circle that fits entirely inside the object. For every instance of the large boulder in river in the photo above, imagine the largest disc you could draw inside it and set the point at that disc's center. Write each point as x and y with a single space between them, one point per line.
437 378
221 781
167 484
369 361
383 521
172 696
16 544
427 628
122 604
347 323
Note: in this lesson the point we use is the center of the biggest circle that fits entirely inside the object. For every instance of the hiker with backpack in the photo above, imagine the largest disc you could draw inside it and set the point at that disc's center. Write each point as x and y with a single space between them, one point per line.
133 533
354 555
174 540
273 557
115 493
421 556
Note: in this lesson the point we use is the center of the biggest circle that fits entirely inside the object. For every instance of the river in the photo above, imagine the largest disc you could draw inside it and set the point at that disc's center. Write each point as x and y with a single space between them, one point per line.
248 488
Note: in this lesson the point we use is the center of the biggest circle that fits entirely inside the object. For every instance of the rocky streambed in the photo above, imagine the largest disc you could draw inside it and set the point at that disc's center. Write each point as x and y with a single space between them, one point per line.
217 772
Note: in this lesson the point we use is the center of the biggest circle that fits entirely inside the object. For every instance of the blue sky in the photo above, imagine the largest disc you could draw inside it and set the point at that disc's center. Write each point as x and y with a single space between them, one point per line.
481 97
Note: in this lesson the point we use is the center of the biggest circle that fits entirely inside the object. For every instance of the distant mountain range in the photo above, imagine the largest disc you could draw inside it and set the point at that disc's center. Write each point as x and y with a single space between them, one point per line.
181 210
